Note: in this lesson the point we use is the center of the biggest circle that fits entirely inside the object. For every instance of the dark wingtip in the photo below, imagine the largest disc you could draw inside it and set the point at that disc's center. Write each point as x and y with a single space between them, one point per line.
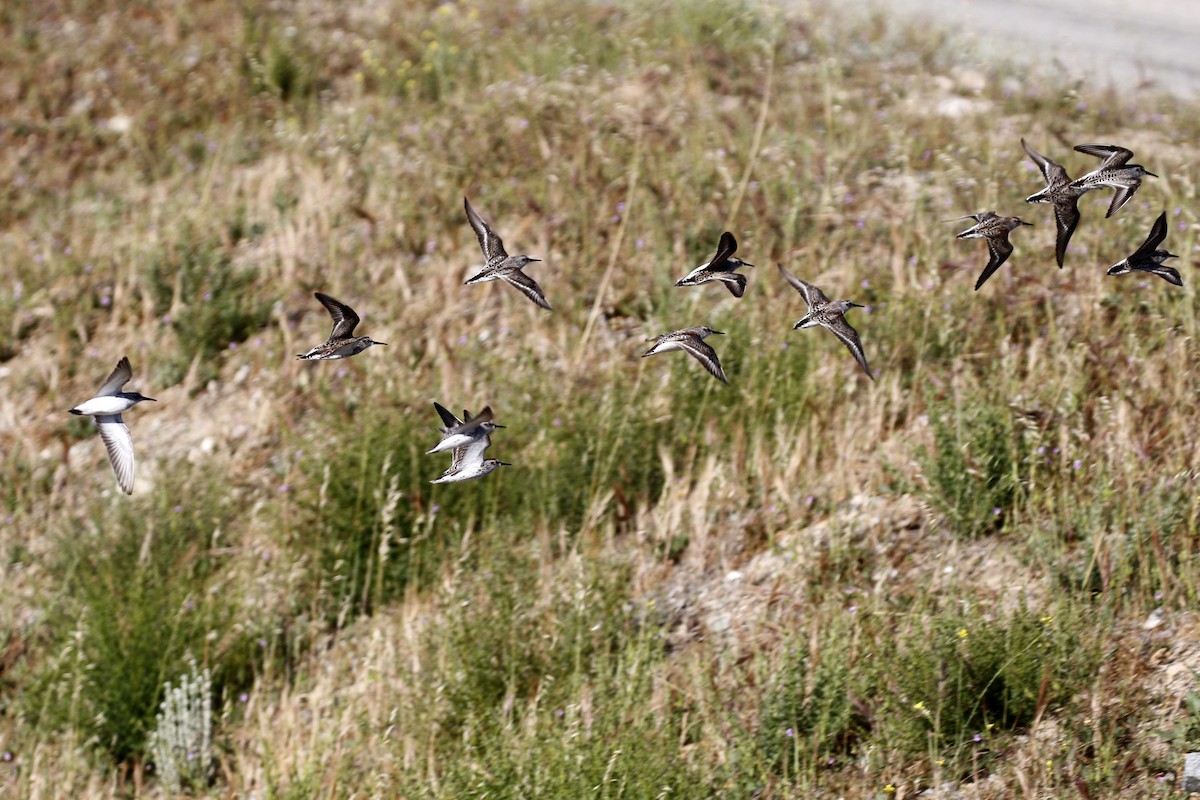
75 412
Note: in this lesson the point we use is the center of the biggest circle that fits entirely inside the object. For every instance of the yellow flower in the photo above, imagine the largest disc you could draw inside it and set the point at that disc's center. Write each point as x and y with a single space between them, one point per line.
962 633
889 789
1047 619
919 706
427 34
433 46
410 86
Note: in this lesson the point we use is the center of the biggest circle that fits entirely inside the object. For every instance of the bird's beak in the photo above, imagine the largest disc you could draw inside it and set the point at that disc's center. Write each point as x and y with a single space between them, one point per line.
744 264
385 344
533 259
151 399
1030 224
856 305
1148 172
497 425
719 333
505 464
1170 255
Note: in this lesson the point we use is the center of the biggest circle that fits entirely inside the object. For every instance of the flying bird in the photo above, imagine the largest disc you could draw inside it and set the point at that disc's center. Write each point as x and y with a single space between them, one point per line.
995 229
1061 193
830 314
106 408
691 341
499 265
720 268
1148 258
1114 172
342 342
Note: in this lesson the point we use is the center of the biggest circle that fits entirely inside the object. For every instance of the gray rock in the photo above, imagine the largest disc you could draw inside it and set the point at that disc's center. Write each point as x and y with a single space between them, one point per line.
1191 772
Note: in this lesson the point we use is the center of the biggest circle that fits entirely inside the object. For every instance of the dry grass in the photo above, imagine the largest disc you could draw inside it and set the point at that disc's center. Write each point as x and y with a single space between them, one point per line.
802 584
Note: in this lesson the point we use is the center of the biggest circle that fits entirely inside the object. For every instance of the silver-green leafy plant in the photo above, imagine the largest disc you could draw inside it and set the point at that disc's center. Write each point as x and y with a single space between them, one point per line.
181 743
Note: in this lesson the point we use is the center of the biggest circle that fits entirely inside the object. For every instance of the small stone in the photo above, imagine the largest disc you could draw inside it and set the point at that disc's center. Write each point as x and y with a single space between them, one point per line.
1191 772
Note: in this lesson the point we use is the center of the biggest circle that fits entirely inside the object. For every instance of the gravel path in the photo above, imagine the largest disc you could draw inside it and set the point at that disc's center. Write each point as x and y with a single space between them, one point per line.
1122 42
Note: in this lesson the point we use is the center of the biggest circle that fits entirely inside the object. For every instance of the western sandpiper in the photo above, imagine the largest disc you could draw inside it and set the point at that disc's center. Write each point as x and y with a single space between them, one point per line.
720 268
342 342
829 314
1148 258
1113 171
691 341
994 228
106 408
1061 193
499 264
460 432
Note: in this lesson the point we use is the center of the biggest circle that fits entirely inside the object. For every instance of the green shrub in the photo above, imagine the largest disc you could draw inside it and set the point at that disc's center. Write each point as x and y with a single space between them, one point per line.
978 470
967 677
137 594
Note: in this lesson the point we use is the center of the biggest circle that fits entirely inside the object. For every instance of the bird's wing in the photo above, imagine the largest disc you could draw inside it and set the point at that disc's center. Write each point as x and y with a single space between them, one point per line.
491 244
448 419
1168 274
1158 232
119 377
845 331
735 282
1121 196
1112 155
1054 173
812 295
119 444
344 318
725 248
528 287
1000 249
1066 217
703 353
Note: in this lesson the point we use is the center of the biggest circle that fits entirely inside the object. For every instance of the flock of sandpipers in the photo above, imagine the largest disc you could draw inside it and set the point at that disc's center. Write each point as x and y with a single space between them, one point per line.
469 437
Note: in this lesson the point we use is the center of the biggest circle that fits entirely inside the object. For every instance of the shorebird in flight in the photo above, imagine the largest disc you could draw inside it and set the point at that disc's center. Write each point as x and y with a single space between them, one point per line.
106 408
499 265
460 432
1061 193
995 228
691 341
1148 258
1114 171
830 314
720 268
342 342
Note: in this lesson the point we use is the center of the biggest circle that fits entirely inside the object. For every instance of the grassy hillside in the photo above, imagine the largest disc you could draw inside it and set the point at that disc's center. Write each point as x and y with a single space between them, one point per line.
977 573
